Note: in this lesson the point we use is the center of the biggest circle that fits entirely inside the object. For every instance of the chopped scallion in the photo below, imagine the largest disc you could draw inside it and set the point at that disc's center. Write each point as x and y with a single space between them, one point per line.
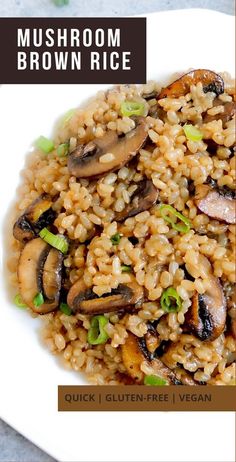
63 149
171 301
154 380
44 144
65 309
19 301
130 108
67 116
167 211
115 239
38 300
58 242
96 333
126 268
192 133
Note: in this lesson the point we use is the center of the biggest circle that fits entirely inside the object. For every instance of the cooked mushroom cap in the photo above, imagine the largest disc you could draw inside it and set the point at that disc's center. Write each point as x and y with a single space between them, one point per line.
230 294
144 197
225 116
210 81
206 316
36 217
133 358
108 153
84 300
40 271
216 203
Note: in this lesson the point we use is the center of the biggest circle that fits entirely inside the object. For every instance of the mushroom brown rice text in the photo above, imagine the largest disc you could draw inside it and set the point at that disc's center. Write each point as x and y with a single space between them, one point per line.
124 234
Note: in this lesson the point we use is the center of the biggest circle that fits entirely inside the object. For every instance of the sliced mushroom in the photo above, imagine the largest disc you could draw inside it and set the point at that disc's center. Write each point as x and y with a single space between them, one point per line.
40 271
230 295
206 317
133 358
216 203
107 154
84 300
225 116
210 81
37 216
143 198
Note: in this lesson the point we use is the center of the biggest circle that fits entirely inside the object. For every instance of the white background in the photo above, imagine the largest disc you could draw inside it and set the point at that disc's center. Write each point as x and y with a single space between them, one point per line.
29 375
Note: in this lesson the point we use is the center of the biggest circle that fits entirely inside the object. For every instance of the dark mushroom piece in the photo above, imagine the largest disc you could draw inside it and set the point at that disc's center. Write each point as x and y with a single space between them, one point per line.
133 358
206 317
108 153
180 87
225 116
142 199
83 300
216 203
230 295
36 217
40 271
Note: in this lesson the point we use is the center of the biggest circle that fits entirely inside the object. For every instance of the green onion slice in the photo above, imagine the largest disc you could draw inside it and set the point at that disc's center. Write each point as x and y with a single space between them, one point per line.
44 144
192 133
126 268
171 301
96 334
167 210
115 239
67 116
19 301
38 300
59 242
154 380
65 309
130 108
63 150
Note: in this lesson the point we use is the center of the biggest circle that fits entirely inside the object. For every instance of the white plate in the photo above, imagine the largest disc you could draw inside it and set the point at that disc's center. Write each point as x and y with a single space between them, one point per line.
29 375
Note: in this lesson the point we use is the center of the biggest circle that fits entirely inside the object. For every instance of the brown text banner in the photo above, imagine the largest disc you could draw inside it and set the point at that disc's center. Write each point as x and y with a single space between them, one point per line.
146 398
73 50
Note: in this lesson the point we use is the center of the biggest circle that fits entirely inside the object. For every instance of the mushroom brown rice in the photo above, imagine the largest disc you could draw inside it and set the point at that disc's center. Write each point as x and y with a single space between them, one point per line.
124 239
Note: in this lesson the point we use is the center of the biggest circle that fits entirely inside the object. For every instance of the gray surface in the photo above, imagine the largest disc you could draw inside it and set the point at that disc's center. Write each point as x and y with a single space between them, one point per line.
13 446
